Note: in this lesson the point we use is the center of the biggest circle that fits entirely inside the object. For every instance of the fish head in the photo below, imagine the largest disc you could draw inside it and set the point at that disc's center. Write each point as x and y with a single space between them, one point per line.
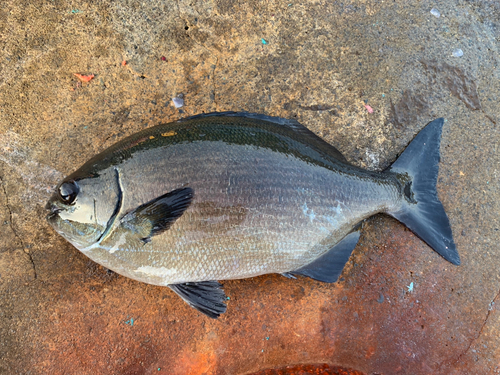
81 209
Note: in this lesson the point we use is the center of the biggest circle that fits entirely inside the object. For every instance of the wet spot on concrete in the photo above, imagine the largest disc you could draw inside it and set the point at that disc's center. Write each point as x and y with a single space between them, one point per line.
456 80
409 108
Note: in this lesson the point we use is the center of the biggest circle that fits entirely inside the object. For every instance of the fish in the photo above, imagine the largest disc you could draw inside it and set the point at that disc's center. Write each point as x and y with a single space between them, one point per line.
234 195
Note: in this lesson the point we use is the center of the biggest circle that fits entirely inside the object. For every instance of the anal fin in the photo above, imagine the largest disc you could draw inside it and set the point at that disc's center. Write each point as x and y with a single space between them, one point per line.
329 266
205 296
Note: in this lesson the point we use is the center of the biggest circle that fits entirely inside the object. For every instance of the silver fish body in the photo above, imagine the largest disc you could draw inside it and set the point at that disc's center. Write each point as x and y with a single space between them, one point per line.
226 196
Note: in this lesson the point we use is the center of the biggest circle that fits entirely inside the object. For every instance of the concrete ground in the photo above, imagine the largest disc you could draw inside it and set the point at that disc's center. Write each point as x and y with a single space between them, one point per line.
399 307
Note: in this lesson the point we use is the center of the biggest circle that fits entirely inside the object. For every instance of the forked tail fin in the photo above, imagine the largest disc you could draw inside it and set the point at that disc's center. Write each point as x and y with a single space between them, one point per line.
422 212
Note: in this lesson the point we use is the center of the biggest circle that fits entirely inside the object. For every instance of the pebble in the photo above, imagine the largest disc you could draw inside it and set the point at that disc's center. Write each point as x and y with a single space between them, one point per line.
435 13
178 102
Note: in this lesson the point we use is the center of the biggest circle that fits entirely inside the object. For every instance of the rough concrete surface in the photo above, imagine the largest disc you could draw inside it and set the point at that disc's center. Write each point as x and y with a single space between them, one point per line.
318 61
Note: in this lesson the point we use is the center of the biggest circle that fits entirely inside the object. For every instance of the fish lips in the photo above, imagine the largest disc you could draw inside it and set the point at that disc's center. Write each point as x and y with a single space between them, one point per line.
54 210
62 226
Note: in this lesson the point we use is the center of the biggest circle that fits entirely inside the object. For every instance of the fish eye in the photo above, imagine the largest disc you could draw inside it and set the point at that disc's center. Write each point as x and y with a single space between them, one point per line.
68 191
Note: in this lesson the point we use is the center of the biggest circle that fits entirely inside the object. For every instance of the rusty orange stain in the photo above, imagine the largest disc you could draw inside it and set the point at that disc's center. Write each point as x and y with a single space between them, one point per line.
322 369
370 352
84 78
196 363
168 134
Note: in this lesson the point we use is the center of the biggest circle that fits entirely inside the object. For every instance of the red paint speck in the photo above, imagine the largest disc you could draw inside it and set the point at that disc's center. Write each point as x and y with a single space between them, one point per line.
163 58
84 78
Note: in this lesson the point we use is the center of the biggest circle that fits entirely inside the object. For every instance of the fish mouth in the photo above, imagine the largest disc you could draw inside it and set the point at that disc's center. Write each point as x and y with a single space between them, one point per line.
54 210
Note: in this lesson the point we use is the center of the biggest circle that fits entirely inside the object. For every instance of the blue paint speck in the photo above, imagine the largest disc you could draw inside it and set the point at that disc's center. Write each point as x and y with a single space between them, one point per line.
263 41
380 298
410 287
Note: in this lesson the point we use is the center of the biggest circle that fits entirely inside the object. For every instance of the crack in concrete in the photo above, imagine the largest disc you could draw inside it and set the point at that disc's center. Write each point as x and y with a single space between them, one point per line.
178 9
19 239
213 83
490 309
186 22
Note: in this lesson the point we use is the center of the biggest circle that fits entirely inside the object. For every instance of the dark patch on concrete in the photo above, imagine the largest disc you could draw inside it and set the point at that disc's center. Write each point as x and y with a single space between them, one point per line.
410 108
316 107
456 80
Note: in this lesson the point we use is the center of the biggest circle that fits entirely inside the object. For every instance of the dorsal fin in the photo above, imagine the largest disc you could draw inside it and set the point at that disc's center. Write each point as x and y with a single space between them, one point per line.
292 124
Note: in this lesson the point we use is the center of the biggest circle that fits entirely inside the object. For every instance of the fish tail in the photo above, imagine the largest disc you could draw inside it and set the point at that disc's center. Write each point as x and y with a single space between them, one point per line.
422 211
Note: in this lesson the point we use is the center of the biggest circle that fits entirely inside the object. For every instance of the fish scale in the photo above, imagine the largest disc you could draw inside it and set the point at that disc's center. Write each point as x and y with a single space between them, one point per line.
260 231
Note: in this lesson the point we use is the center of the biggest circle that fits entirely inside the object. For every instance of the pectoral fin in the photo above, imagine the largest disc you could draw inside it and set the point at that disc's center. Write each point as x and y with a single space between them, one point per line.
159 214
205 296
329 266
